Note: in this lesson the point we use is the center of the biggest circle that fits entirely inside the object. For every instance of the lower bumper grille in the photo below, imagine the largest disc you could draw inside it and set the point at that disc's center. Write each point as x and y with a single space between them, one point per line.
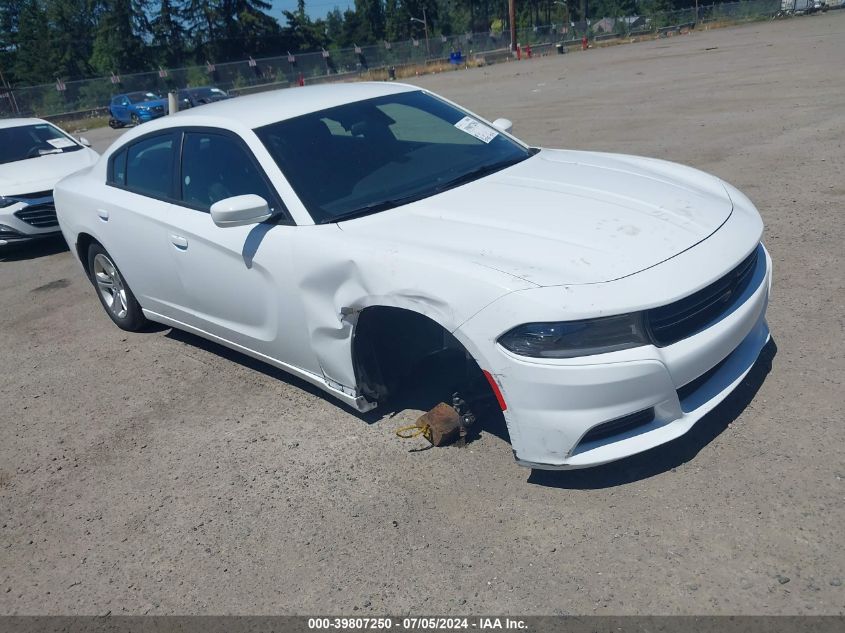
671 323
8 233
42 216
693 386
619 425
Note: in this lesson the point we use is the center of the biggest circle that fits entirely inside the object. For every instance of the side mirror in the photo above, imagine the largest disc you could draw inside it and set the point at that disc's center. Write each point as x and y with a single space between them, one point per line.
240 210
505 125
84 141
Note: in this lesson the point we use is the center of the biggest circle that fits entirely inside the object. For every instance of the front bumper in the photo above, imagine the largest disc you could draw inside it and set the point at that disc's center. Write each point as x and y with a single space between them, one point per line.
555 407
28 220
149 115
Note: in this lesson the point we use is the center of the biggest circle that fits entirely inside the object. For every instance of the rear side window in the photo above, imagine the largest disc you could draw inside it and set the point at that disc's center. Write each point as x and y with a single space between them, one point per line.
117 175
149 166
216 166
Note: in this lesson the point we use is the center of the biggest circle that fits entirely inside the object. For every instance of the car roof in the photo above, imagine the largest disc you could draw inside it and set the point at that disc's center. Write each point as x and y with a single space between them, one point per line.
6 123
276 105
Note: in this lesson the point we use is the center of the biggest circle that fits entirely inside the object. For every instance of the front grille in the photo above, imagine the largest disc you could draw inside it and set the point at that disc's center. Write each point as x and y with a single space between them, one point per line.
619 425
32 196
42 216
671 323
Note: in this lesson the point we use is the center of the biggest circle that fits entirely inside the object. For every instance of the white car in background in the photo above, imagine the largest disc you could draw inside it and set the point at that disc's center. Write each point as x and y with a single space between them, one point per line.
344 233
34 156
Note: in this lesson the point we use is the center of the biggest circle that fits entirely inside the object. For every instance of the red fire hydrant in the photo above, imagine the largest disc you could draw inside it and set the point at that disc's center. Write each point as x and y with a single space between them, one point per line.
584 43
301 80
528 50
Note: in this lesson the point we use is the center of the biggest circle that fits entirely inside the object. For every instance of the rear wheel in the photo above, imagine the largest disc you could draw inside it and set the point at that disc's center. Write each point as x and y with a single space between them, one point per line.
136 120
113 291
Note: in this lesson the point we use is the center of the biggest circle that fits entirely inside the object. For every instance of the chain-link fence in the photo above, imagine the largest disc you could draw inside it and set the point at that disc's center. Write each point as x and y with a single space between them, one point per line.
90 97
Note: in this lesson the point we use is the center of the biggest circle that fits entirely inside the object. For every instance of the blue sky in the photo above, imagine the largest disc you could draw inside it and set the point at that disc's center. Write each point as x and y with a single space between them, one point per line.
316 9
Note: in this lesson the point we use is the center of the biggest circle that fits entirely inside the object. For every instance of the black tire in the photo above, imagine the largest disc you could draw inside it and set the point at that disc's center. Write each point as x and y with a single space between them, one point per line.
113 292
115 124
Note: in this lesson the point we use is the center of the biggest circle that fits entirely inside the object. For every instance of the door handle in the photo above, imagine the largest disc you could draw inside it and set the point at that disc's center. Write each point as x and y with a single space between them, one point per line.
104 214
179 242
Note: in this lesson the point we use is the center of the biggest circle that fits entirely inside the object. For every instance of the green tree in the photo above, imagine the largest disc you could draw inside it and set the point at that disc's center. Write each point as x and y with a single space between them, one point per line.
118 45
168 34
34 59
249 30
301 34
371 14
70 43
9 18
394 27
200 18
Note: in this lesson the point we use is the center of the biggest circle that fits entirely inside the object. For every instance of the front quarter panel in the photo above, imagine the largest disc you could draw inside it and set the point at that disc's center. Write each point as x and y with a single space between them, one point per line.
342 274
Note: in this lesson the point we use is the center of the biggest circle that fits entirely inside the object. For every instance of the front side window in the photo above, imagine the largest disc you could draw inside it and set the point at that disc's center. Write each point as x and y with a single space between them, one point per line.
376 154
141 97
217 166
149 166
33 141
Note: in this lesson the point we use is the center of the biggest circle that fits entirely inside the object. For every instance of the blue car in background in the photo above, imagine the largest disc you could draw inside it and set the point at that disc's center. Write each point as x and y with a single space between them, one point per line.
135 108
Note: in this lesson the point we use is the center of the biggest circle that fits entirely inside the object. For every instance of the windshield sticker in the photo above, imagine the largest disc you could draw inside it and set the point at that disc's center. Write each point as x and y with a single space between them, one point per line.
476 129
60 143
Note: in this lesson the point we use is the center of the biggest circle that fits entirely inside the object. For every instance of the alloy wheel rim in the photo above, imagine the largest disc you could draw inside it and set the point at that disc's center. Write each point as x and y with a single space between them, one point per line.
110 286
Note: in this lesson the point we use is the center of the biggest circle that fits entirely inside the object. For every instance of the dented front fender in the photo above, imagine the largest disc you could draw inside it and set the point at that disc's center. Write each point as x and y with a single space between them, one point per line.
343 274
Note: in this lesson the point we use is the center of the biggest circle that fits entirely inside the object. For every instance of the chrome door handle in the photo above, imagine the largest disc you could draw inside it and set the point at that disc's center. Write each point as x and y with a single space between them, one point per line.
179 242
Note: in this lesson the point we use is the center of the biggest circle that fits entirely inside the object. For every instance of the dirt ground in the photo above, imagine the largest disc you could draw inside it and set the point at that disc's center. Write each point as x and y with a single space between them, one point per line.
157 473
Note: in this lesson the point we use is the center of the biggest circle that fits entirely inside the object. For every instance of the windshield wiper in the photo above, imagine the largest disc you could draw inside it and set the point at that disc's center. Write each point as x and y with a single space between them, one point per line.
383 205
475 174
375 207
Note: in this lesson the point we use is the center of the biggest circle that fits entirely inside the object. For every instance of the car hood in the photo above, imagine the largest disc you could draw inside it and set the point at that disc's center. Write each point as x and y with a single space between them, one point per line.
42 173
562 217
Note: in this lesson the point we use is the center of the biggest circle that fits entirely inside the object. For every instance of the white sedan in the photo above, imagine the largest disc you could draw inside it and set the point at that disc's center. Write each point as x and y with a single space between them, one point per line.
345 232
34 156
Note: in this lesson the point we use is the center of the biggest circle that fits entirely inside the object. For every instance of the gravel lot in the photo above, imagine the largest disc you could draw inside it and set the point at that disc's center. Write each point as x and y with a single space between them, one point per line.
157 473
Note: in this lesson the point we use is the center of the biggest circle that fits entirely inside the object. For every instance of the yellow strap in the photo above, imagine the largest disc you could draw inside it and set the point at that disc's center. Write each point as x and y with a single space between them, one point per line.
412 430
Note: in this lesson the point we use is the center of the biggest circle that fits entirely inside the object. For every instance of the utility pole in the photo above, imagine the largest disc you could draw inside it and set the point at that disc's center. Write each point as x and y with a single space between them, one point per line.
512 19
424 22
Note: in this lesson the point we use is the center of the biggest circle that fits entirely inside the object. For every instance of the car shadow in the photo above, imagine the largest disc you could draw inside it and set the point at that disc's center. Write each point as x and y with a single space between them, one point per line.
425 388
671 455
247 361
16 252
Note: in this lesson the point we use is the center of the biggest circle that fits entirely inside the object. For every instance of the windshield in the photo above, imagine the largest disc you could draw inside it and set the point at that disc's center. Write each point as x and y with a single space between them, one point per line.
372 155
32 141
208 93
140 97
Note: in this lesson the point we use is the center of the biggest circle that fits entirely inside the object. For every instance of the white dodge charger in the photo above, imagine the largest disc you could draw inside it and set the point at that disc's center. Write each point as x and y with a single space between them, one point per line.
345 232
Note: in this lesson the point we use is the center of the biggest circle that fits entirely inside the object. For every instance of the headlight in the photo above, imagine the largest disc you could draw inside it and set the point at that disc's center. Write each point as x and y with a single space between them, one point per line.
569 339
6 202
